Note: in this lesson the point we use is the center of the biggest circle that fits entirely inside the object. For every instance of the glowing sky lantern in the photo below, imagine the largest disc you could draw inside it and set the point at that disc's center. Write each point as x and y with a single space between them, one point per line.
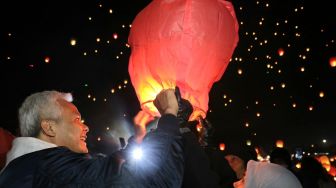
279 143
281 52
332 171
222 146
324 160
187 43
47 60
332 61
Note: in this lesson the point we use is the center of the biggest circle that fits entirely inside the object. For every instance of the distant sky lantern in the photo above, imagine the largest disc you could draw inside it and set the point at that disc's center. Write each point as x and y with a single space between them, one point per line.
73 42
324 160
332 171
332 61
248 142
279 143
321 94
47 59
222 146
281 52
298 165
184 43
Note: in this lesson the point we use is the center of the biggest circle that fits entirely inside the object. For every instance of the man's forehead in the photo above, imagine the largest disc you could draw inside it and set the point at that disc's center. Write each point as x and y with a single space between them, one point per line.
68 106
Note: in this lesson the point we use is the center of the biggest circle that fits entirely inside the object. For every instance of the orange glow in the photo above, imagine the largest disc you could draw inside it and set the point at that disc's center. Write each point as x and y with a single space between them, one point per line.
321 94
198 127
279 143
324 160
332 61
281 52
147 93
222 146
142 119
47 59
332 171
73 42
298 165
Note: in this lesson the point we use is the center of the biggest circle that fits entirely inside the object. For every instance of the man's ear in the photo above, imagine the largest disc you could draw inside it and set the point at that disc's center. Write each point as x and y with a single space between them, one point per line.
48 128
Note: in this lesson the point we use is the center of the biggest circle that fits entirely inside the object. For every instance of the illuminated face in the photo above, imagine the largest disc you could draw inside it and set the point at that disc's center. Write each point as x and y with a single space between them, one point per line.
70 131
239 184
237 165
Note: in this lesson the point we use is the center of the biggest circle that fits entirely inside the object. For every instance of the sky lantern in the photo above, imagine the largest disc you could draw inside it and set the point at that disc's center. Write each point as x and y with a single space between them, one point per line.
184 43
332 171
332 61
281 51
47 59
324 160
279 143
73 42
222 146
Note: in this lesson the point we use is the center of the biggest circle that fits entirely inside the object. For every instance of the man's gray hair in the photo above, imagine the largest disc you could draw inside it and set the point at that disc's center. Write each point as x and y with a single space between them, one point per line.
40 106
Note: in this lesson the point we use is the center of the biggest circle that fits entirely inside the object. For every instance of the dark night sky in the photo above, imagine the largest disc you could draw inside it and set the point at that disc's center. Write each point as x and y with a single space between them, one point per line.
274 86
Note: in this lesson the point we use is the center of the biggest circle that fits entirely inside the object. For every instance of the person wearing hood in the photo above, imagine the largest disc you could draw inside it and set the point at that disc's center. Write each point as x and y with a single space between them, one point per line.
267 175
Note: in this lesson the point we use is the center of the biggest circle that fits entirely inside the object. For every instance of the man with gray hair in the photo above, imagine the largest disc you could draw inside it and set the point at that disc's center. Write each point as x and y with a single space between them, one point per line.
52 151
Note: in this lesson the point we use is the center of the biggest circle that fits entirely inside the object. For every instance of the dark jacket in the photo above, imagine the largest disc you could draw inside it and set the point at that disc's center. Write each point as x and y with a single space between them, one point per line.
197 171
162 165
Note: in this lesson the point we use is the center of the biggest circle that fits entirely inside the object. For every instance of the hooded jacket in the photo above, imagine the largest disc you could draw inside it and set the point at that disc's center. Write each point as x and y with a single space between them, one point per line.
267 175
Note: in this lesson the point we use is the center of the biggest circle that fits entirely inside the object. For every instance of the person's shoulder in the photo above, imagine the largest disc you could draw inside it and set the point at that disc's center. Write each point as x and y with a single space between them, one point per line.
273 174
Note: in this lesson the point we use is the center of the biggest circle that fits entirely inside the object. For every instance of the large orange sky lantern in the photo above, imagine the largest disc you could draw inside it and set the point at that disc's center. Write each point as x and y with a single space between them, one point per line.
184 43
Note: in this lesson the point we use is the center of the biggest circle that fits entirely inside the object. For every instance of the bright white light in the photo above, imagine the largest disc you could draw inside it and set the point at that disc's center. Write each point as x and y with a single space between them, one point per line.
137 153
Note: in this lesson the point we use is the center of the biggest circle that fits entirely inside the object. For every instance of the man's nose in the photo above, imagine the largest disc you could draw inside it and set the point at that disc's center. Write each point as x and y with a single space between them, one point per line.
86 128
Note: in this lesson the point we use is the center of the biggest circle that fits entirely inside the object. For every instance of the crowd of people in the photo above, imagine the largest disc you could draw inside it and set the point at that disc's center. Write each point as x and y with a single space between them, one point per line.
51 151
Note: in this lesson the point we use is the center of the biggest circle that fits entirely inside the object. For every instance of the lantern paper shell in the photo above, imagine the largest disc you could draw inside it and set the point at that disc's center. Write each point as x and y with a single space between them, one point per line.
184 43
332 61
324 160
222 146
279 143
281 52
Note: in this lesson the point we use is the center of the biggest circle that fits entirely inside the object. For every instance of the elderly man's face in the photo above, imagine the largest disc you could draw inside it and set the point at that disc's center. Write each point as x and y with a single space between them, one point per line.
70 131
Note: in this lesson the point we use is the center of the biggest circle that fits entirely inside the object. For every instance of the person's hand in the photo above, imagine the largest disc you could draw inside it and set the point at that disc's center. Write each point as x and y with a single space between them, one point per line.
185 108
140 122
166 102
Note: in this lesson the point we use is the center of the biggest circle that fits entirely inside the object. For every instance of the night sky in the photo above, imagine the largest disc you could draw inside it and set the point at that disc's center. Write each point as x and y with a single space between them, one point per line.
280 84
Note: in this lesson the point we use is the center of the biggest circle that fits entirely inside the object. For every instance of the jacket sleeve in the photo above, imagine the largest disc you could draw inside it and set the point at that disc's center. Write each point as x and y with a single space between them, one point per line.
162 163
